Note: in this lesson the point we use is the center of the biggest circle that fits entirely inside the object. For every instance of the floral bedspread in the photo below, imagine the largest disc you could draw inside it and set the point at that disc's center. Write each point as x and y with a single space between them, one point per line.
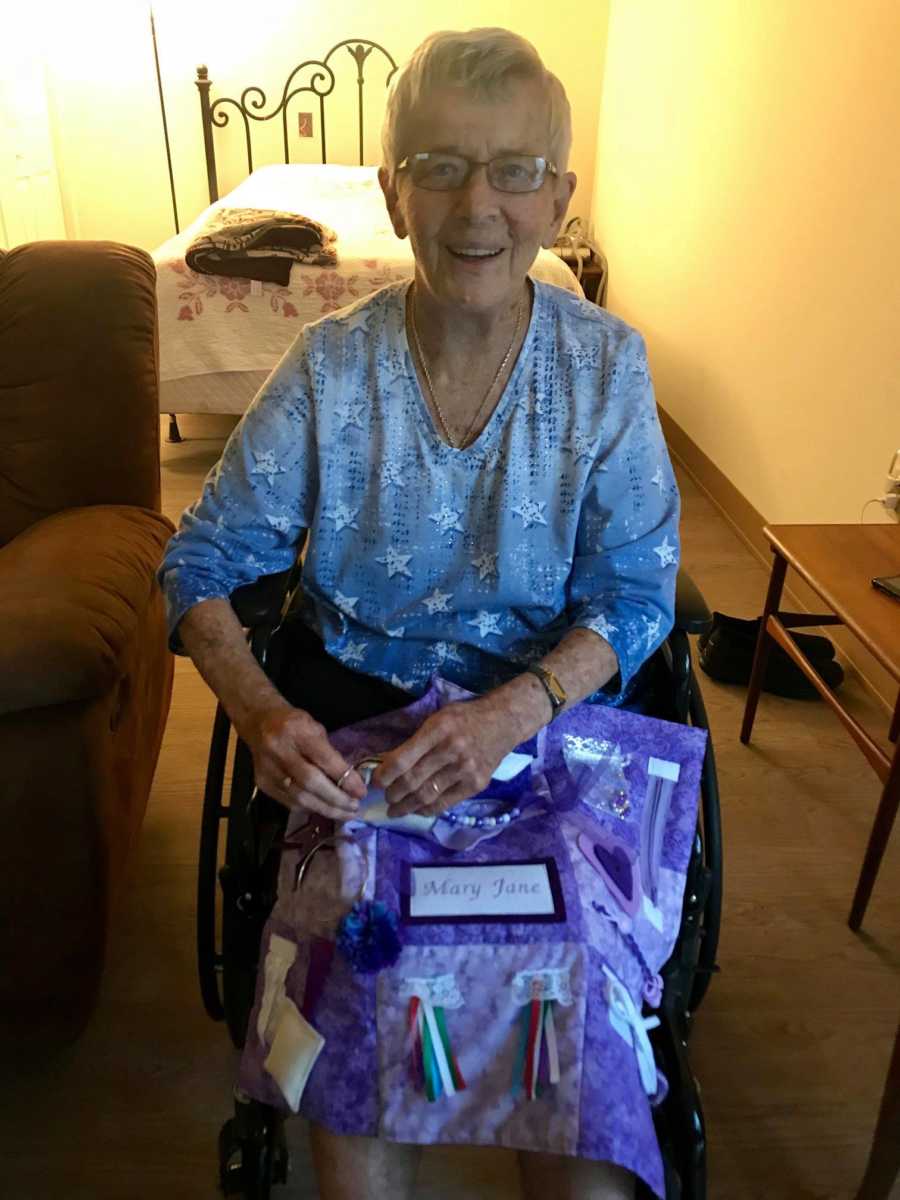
210 324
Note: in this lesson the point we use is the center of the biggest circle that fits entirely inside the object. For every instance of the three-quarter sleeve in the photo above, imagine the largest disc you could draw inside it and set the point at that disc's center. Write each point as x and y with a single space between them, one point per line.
622 583
257 502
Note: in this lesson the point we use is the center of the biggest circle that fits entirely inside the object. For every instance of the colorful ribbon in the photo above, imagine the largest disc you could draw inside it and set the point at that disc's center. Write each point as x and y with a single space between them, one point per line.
434 1067
538 1031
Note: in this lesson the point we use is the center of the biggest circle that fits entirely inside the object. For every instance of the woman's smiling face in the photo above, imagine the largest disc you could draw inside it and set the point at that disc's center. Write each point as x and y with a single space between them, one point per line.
473 246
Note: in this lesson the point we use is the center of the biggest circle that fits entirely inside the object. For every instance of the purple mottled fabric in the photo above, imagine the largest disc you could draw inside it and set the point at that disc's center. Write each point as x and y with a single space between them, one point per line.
600 798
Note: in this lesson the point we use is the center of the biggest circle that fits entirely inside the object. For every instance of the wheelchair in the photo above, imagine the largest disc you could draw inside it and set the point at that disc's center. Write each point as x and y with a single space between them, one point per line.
253 1155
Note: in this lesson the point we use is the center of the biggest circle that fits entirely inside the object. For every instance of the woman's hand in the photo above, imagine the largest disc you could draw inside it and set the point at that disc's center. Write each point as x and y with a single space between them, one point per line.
295 763
451 757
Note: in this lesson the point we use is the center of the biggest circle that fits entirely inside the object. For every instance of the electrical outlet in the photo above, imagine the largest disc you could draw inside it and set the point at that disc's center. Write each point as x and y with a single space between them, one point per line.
304 125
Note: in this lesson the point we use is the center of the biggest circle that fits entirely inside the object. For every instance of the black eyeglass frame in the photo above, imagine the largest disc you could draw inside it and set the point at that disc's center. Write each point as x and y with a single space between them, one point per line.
547 168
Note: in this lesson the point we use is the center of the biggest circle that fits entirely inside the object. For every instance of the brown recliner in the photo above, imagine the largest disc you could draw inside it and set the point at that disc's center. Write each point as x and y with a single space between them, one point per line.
85 675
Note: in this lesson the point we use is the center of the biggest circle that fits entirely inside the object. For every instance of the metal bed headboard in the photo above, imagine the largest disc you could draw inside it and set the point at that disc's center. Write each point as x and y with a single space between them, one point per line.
253 100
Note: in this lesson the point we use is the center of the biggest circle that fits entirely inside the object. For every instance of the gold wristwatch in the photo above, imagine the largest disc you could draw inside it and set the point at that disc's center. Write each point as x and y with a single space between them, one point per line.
556 693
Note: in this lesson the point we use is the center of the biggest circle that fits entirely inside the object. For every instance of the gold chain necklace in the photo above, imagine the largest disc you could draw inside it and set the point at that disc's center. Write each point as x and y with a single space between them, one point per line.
464 441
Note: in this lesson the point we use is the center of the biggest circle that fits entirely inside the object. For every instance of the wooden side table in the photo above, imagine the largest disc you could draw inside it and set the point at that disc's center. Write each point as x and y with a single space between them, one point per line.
838 562
884 1160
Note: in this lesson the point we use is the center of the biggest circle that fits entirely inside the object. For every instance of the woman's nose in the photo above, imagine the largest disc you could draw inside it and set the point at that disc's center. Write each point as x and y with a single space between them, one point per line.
476 197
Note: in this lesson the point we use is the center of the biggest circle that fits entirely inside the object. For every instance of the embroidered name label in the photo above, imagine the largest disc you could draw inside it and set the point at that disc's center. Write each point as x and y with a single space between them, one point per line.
518 891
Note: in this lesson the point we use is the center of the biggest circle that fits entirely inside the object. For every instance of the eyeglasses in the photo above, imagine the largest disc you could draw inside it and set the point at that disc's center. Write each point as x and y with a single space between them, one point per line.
438 172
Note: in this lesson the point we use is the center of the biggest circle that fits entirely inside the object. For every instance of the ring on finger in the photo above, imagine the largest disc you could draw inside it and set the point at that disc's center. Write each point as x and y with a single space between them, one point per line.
434 787
287 783
346 775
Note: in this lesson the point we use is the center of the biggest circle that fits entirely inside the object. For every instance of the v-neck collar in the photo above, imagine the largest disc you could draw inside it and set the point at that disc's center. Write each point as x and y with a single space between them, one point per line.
506 398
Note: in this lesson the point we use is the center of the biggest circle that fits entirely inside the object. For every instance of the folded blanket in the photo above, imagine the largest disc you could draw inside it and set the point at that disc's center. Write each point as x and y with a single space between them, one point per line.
259 243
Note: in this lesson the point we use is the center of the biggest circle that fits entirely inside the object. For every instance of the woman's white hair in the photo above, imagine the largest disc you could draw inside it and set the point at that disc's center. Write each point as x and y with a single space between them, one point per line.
485 62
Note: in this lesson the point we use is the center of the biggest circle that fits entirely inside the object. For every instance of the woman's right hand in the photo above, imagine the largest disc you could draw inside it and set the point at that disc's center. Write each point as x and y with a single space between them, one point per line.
295 763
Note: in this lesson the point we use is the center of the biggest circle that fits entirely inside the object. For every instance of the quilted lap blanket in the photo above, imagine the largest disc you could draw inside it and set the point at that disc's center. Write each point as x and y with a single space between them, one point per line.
489 978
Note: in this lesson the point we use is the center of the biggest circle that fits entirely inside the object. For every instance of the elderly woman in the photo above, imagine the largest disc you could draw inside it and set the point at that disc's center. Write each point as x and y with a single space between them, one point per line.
475 463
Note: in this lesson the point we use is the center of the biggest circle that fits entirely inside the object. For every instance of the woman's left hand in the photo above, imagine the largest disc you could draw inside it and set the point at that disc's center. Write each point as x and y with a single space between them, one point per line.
451 757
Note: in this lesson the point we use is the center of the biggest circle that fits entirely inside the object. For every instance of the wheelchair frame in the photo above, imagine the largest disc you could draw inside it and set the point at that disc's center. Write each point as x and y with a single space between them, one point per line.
252 1149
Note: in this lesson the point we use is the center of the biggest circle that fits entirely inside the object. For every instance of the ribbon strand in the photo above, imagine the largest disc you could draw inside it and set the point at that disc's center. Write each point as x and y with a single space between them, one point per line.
433 1066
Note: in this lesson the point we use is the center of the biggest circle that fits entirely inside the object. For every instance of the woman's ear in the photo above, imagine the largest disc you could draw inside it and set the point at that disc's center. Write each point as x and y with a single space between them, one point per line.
562 194
392 200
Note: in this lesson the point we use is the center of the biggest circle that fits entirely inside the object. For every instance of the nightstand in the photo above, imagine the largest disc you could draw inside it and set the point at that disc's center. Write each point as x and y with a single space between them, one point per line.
593 281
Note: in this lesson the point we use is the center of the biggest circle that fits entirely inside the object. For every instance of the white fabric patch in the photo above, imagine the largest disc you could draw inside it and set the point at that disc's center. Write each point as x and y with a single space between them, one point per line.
632 1028
441 991
550 984
280 958
295 1048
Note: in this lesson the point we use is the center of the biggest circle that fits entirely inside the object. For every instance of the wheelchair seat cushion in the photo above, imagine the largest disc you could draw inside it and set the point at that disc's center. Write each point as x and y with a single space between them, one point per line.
513 1015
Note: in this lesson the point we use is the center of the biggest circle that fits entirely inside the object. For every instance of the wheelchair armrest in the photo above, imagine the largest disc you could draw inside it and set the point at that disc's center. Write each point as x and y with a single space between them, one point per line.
256 603
691 613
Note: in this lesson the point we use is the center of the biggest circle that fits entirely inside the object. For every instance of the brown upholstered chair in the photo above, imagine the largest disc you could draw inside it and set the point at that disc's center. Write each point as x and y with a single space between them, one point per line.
85 676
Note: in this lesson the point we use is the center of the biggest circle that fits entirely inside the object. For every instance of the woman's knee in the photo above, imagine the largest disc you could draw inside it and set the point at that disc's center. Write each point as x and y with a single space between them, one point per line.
572 1178
362 1168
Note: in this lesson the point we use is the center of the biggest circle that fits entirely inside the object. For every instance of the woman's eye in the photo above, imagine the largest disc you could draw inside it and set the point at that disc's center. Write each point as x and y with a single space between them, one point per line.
442 170
513 172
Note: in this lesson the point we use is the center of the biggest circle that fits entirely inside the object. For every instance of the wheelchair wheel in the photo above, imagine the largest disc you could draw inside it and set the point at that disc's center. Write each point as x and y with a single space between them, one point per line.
712 858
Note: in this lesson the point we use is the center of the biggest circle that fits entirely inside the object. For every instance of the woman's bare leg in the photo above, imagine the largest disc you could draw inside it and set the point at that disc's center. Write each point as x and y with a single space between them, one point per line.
565 1178
362 1168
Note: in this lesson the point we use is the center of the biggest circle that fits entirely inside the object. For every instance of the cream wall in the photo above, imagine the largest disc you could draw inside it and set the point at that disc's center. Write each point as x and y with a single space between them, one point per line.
748 198
104 102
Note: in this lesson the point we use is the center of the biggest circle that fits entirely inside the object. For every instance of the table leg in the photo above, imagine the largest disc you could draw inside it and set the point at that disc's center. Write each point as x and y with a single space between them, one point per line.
763 644
878 839
884 1160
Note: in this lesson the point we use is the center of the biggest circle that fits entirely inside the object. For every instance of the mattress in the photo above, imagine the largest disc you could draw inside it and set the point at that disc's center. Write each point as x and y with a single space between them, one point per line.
219 337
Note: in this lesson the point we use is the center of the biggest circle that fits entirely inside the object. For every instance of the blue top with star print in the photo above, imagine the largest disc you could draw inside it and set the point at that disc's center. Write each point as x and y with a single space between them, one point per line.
422 558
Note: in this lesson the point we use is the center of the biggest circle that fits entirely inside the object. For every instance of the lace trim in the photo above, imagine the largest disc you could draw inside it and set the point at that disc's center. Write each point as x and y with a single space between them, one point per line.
550 984
440 991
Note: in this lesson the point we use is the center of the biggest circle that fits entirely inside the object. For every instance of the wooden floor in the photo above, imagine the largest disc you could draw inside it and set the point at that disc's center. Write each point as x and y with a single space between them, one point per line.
791 1045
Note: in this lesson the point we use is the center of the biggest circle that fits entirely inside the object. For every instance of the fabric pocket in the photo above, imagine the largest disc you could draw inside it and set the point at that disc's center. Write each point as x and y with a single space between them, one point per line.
484 1031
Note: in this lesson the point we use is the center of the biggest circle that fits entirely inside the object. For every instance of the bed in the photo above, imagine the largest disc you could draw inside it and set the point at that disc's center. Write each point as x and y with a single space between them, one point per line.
221 336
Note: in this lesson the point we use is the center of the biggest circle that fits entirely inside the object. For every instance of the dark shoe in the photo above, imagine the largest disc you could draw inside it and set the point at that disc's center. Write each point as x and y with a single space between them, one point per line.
737 631
727 655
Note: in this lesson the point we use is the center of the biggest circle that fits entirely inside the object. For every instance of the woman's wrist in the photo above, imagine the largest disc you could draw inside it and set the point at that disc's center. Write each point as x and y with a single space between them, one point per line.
521 706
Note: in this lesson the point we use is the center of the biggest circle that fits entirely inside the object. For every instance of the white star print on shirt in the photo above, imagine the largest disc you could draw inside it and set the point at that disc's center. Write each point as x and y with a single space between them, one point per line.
437 602
267 465
658 478
347 604
581 445
602 626
398 632
665 552
447 518
353 652
531 512
343 516
652 630
282 524
391 475
486 623
349 414
485 564
359 320
584 359
395 563
405 685
447 650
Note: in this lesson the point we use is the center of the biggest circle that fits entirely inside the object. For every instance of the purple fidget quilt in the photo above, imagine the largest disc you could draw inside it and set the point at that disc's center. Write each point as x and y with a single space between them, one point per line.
516 1013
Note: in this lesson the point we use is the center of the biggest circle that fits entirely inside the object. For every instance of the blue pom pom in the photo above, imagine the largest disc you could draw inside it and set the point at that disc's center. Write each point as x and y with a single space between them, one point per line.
369 936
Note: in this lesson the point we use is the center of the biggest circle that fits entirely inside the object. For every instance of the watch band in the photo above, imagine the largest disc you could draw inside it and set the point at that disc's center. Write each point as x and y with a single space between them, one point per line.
556 693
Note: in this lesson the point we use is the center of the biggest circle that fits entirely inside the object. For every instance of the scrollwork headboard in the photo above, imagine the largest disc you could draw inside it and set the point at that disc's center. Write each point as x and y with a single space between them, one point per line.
320 83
